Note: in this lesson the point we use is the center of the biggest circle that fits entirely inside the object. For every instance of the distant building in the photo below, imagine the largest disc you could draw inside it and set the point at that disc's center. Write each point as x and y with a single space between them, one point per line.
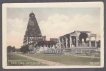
46 44
78 42
55 40
78 39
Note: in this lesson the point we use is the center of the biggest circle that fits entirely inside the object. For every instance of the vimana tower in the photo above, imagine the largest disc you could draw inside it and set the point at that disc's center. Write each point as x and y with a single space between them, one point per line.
33 33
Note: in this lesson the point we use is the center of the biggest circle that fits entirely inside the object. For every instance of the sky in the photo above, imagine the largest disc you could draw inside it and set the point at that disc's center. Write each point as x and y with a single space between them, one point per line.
53 22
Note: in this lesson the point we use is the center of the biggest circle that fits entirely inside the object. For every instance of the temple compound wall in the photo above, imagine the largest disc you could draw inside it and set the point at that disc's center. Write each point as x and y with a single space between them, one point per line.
47 47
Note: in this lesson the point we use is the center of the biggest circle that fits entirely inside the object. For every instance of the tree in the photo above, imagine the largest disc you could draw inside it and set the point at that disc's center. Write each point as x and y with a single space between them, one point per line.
10 49
24 49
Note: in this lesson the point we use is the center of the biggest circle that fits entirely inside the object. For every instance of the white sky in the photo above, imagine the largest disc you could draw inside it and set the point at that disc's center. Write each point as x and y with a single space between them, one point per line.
53 22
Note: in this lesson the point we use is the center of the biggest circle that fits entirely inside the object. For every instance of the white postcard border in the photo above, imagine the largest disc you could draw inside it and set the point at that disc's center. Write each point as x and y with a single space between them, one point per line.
48 5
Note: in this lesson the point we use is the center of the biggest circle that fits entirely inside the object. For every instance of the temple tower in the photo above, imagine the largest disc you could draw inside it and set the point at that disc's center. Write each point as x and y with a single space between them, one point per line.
33 33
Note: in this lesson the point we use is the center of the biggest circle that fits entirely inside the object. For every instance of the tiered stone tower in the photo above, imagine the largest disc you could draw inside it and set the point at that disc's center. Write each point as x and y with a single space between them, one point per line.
33 33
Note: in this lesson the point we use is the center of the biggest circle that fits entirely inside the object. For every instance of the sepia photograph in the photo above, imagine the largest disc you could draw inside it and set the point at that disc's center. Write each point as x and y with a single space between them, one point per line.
53 35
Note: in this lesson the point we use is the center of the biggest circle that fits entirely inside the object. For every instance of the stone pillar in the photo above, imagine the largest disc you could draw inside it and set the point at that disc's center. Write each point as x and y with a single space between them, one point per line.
66 41
62 42
77 38
59 43
70 41
89 41
76 41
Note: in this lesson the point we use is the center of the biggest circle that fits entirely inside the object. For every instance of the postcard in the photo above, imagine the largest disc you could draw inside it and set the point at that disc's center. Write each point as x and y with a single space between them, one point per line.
53 35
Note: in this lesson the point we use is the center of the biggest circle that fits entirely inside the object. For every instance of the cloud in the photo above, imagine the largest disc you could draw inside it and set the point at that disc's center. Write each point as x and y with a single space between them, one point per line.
16 24
15 31
58 24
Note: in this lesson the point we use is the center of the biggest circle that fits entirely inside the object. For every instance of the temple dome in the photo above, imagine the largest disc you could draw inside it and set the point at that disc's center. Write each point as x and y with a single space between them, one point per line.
32 15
